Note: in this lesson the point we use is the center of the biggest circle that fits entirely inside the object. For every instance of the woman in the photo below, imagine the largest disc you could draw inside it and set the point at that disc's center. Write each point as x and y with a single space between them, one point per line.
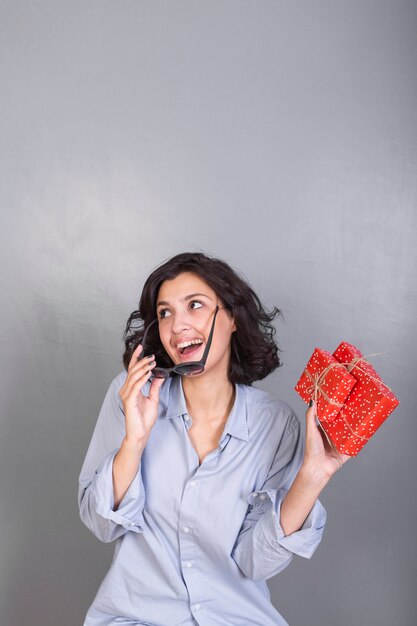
200 477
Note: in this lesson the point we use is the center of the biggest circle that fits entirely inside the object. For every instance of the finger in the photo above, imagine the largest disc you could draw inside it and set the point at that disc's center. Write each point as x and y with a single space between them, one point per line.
134 376
133 391
154 389
135 355
141 364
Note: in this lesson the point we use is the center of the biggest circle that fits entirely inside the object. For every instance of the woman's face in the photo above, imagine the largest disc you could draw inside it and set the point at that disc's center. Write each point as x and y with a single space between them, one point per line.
185 310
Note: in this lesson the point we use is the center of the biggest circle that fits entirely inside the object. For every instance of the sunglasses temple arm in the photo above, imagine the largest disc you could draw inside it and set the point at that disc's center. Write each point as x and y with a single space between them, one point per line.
145 335
206 351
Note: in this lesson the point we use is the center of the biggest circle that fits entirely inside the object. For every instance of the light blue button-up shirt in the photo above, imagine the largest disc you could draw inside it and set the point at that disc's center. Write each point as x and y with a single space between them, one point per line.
196 543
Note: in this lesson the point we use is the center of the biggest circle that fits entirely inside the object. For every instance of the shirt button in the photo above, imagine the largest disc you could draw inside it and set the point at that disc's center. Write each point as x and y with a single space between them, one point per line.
192 483
189 563
186 529
196 607
262 496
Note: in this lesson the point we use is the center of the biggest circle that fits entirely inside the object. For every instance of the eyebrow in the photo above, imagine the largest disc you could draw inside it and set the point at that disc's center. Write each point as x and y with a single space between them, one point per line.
189 297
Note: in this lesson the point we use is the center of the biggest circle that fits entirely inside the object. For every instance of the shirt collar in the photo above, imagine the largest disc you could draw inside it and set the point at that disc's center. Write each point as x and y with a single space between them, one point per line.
175 406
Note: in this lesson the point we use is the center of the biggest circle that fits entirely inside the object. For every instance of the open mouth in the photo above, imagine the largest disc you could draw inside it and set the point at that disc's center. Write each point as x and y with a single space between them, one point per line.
189 348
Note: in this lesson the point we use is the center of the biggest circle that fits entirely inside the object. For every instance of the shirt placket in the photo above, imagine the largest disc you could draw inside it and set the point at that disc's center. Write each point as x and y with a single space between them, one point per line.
191 564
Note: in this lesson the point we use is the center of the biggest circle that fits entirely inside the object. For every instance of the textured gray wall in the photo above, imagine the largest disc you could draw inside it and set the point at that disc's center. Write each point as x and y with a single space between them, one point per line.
280 136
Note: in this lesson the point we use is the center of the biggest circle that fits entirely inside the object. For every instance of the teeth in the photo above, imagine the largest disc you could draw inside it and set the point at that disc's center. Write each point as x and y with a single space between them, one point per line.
184 344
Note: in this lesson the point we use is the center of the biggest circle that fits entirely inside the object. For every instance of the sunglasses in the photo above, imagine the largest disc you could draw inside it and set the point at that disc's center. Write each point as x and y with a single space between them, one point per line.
184 369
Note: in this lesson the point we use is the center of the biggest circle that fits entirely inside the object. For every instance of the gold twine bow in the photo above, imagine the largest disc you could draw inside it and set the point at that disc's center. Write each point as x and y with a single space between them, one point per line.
318 381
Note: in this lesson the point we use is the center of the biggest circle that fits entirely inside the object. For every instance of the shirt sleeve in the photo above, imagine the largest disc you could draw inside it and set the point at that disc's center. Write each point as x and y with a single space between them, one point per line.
95 494
261 549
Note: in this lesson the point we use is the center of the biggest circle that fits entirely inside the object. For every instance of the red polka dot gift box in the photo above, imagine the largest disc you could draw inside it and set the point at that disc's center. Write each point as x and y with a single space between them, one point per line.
364 409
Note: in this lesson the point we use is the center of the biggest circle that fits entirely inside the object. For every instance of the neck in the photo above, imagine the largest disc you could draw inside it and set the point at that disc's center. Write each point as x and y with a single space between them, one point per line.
209 398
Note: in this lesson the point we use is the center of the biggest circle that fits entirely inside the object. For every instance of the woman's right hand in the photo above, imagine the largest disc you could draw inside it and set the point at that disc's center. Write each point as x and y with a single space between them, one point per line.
141 412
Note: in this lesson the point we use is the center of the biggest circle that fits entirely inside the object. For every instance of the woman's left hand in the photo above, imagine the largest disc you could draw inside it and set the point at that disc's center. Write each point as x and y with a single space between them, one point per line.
320 456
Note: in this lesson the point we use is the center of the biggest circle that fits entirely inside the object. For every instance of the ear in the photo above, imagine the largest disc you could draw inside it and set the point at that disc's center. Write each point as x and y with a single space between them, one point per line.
232 319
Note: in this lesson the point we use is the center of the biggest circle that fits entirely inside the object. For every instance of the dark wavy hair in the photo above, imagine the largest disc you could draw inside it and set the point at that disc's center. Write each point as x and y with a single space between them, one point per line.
254 352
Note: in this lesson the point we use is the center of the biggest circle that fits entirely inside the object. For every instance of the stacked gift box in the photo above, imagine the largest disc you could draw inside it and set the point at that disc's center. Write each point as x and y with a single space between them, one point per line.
351 399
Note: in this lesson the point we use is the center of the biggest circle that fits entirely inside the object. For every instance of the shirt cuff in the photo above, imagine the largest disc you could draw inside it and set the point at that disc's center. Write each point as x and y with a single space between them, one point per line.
129 512
303 542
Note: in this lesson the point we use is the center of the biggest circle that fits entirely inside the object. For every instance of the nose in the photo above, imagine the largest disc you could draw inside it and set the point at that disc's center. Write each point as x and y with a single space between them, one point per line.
180 323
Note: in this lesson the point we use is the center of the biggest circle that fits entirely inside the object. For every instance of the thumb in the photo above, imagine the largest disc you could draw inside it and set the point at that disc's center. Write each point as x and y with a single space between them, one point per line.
311 414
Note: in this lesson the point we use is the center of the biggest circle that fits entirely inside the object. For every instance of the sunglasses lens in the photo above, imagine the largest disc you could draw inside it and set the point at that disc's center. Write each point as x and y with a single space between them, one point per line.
159 373
192 369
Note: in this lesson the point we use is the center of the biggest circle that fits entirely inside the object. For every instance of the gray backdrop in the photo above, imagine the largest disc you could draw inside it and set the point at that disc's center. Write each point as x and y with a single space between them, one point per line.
280 136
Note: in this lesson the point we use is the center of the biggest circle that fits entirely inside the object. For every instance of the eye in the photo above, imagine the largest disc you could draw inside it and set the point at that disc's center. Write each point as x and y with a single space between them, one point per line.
163 313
